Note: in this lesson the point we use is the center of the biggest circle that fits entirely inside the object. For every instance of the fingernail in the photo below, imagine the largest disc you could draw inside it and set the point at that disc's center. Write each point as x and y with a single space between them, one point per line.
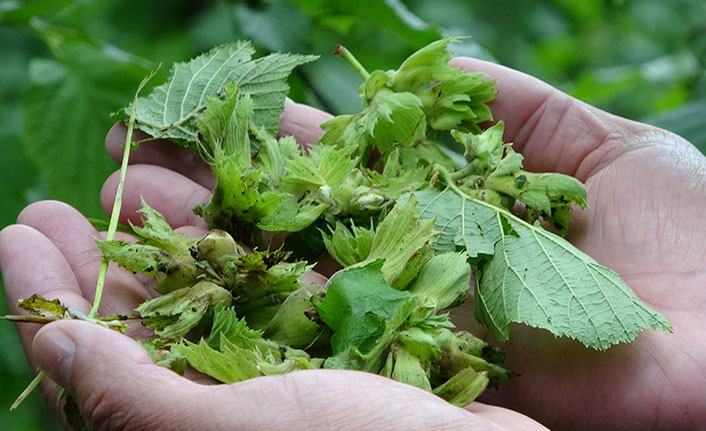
54 352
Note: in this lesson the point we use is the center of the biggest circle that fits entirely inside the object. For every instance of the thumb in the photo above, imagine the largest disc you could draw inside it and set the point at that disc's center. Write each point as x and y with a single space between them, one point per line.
112 378
116 386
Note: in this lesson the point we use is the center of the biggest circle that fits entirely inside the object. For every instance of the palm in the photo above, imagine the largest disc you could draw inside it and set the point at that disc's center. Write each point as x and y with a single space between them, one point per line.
646 201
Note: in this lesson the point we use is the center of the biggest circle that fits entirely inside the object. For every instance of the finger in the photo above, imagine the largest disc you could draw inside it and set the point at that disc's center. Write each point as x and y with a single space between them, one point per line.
160 152
303 122
31 263
116 386
168 192
74 237
554 131
505 418
104 372
299 120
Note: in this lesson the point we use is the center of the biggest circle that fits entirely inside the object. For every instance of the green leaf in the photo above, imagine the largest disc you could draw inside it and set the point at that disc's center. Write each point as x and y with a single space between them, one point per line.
321 166
409 370
227 366
173 315
402 240
170 271
229 330
274 153
349 246
170 111
237 199
234 352
359 307
484 152
388 119
535 277
157 232
445 279
548 196
455 99
223 126
291 325
261 274
464 387
294 214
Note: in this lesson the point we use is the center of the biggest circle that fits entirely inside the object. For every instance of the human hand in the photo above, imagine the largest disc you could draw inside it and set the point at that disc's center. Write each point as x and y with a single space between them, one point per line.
645 221
113 380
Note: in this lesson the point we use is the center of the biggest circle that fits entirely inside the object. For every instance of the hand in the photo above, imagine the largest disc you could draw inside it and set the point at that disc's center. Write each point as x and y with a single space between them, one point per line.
113 380
645 221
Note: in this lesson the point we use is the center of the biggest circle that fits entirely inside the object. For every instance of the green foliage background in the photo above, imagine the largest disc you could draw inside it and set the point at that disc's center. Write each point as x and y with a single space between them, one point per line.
66 65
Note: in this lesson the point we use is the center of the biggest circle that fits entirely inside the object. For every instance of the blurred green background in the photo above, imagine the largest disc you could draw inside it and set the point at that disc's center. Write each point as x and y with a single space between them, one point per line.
66 65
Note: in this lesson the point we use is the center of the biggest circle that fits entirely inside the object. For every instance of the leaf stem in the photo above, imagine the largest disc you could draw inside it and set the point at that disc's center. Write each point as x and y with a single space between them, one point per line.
45 319
450 180
463 173
117 204
28 390
350 58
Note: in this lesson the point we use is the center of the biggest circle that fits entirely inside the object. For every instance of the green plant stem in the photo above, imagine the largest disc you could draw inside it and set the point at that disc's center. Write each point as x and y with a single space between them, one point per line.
346 55
463 173
28 390
450 181
115 213
117 204
44 319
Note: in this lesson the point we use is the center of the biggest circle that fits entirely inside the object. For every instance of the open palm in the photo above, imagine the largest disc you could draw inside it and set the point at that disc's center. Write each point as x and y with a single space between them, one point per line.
645 221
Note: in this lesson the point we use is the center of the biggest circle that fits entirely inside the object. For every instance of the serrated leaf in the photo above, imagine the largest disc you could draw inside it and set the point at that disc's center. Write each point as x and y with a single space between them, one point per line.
455 99
227 366
358 307
389 118
170 111
173 315
294 214
157 232
322 166
349 246
402 240
228 329
537 278
224 126
170 271
274 153
234 352
237 199
261 274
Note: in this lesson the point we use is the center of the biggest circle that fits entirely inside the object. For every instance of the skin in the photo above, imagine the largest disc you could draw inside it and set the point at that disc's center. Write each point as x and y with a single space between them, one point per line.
646 201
